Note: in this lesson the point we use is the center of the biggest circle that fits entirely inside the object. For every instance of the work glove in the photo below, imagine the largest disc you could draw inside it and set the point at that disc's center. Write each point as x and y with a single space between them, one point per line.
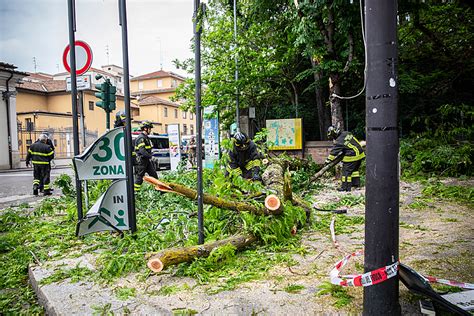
256 176
327 161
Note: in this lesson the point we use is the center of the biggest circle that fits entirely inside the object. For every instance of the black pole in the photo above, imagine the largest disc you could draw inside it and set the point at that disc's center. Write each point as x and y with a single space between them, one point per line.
197 61
237 91
72 63
128 126
382 179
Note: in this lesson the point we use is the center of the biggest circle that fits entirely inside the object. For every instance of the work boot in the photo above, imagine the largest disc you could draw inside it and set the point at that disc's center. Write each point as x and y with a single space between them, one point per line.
356 182
35 190
345 187
47 192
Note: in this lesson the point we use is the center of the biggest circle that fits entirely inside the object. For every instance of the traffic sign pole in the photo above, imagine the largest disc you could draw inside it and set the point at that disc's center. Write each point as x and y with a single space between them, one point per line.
72 61
128 125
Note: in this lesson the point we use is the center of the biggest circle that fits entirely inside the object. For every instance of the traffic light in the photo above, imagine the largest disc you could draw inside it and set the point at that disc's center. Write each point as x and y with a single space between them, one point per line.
112 97
103 95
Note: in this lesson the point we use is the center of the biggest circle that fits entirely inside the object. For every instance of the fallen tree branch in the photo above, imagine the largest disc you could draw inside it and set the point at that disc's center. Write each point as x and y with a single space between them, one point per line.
173 256
210 199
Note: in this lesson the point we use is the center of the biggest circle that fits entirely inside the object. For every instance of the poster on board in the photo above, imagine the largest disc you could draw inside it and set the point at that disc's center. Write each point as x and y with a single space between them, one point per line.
211 137
285 134
175 151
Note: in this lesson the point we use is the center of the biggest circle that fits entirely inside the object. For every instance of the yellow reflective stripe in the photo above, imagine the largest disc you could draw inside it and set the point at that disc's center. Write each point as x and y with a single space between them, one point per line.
139 145
137 185
46 186
355 174
40 154
353 158
40 162
252 163
36 181
354 148
331 157
147 147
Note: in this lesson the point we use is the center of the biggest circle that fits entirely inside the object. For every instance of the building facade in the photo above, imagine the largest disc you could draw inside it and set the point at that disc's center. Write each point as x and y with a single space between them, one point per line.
153 92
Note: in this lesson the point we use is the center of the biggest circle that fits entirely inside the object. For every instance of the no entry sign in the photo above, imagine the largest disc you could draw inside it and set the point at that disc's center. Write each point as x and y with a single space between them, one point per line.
83 57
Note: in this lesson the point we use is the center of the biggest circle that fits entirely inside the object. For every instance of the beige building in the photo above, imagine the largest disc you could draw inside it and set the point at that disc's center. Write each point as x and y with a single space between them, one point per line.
153 92
43 104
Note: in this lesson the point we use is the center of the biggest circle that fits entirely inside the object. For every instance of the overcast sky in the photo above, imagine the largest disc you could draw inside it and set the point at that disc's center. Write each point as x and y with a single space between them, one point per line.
39 28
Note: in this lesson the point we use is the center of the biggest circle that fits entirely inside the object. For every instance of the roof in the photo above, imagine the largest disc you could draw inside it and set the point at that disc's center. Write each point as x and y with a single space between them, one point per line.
44 86
150 100
100 71
40 76
11 68
158 74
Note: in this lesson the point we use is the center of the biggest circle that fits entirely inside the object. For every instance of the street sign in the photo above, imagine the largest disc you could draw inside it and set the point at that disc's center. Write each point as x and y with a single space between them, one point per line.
175 152
251 112
83 57
83 83
108 213
104 159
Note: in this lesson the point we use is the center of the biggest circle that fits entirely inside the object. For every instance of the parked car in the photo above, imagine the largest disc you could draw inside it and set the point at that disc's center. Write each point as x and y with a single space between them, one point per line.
160 150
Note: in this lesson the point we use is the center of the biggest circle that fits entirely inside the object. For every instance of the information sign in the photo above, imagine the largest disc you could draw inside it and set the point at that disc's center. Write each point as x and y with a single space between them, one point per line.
83 83
104 159
108 213
285 134
211 137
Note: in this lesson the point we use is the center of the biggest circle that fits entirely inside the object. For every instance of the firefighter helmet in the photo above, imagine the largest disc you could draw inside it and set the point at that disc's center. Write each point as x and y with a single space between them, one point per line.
241 141
333 132
120 116
146 124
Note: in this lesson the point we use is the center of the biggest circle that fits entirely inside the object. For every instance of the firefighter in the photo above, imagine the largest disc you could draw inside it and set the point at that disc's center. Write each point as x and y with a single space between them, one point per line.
40 154
143 150
244 158
348 146
120 119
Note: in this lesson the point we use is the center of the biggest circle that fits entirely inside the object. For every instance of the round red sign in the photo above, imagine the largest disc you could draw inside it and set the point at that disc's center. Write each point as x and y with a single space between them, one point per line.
83 57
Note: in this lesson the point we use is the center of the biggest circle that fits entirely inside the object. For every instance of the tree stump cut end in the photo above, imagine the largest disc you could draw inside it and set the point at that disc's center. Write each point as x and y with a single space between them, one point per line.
272 202
155 265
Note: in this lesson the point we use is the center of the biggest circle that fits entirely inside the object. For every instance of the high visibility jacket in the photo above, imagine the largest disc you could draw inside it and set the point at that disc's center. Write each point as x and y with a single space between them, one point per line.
346 144
40 153
245 159
143 146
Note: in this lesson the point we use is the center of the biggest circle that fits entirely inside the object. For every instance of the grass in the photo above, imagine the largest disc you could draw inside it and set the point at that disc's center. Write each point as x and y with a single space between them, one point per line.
339 294
293 288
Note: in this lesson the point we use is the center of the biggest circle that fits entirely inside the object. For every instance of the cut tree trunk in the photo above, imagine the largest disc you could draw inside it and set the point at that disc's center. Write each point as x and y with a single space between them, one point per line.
173 256
325 168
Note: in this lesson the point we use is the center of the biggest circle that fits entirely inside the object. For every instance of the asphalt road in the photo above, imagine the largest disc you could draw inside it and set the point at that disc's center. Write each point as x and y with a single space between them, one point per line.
16 187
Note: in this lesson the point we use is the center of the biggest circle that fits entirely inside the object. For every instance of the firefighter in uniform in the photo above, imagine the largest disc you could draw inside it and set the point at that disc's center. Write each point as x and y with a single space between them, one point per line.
244 158
40 154
348 146
143 150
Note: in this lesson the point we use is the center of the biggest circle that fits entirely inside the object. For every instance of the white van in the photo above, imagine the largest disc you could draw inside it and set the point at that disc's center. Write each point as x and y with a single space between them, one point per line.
160 150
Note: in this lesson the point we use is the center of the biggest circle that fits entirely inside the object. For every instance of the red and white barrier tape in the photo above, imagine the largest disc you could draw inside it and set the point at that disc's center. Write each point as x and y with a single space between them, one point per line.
376 276
462 285
366 279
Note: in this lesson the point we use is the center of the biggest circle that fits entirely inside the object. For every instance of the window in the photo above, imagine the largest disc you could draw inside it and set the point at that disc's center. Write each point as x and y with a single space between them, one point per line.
184 114
55 142
191 116
174 83
166 128
159 83
165 112
191 128
91 105
185 129
29 125
140 85
175 113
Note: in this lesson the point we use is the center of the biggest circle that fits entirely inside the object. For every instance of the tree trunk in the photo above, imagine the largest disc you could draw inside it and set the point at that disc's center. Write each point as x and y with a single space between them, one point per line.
336 109
173 256
323 114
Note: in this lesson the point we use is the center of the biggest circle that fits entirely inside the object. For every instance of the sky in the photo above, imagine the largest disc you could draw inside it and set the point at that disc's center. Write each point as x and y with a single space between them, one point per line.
159 31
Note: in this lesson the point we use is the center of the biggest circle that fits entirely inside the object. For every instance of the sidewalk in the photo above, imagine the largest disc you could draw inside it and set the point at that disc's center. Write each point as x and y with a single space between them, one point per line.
57 164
